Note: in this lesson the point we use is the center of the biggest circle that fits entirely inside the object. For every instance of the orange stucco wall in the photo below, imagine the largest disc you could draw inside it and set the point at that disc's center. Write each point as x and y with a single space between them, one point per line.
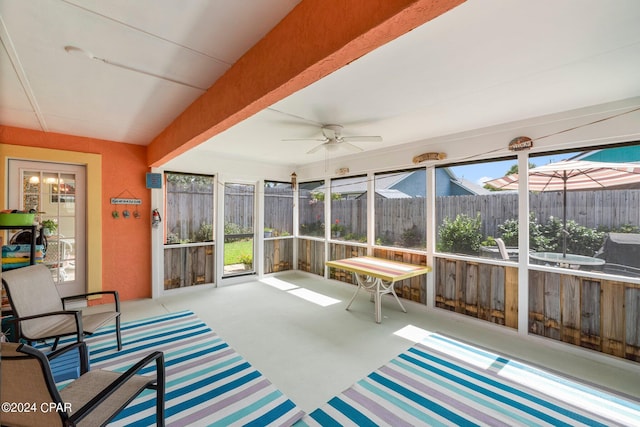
126 254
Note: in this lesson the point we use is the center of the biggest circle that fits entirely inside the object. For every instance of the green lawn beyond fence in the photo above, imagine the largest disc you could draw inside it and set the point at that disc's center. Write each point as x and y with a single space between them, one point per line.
240 252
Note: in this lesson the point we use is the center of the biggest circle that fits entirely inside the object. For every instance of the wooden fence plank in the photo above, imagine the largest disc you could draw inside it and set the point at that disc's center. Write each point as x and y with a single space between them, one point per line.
471 289
632 323
450 286
441 274
497 294
484 292
536 302
210 263
552 306
511 297
570 306
459 298
590 315
613 317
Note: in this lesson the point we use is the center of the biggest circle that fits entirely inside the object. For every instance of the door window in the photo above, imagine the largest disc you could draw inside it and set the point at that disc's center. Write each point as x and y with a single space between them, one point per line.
56 192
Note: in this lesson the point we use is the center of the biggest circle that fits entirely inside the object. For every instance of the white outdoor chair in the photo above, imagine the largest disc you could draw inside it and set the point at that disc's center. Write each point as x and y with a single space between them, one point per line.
502 248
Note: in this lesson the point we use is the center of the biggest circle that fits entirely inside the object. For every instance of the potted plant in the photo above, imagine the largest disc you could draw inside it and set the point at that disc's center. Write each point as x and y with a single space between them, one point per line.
337 228
49 227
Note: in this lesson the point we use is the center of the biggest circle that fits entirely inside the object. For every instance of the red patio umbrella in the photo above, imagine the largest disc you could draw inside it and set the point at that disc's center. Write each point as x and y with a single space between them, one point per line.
573 175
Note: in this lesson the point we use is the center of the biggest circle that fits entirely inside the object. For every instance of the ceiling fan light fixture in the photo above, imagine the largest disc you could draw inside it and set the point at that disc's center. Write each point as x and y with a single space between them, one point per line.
331 145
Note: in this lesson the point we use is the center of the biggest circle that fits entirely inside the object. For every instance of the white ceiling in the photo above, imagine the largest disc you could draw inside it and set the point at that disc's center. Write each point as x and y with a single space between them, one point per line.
484 63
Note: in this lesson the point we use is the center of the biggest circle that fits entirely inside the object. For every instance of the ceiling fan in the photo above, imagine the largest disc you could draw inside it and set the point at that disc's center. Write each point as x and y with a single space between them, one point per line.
333 139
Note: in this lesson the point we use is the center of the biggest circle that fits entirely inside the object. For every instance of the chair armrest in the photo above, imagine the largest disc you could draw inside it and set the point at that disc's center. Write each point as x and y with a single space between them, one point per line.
82 350
75 313
156 356
116 297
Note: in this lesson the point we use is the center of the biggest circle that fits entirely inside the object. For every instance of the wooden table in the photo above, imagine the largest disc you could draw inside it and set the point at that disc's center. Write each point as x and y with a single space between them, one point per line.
377 276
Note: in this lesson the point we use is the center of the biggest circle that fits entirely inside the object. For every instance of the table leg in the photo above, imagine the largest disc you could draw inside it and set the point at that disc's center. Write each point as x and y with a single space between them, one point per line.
354 296
378 301
363 282
377 288
393 291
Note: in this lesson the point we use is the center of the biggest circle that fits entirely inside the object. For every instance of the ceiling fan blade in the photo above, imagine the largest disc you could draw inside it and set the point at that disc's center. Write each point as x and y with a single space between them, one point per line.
350 146
316 148
362 138
304 139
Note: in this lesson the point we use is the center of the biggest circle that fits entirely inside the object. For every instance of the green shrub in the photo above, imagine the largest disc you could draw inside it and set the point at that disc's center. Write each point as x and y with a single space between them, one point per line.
312 229
411 238
509 232
204 233
548 237
624 228
462 235
538 239
232 228
582 240
246 258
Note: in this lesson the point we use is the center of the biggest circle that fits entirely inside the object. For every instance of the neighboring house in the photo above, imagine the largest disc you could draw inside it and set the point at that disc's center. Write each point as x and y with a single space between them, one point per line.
448 184
408 185
623 154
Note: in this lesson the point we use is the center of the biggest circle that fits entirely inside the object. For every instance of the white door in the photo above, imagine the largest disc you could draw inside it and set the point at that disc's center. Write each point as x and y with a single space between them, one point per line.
57 192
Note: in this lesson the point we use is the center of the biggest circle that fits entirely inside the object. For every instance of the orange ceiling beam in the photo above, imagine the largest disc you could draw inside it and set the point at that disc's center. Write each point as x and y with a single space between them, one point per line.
315 39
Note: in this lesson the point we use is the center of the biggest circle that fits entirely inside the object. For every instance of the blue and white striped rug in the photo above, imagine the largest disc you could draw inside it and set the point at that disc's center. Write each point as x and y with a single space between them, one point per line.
441 381
207 382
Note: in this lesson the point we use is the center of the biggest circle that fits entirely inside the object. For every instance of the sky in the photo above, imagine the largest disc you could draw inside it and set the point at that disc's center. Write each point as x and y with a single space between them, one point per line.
481 172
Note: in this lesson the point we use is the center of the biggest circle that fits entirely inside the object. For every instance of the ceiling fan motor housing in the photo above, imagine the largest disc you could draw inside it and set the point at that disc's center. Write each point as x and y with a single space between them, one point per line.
332 131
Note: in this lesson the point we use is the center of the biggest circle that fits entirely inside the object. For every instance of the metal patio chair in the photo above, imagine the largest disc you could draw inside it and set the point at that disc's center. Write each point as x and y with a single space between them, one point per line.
93 399
41 314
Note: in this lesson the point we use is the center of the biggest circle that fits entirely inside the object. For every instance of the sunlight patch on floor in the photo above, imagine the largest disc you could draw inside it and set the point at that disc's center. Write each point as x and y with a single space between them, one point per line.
568 392
314 297
474 356
306 294
279 283
565 390
413 333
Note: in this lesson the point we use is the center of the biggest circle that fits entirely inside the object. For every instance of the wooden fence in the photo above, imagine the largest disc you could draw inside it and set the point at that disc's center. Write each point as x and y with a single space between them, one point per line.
188 207
395 217
604 208
239 205
278 255
278 209
484 291
598 314
311 256
189 266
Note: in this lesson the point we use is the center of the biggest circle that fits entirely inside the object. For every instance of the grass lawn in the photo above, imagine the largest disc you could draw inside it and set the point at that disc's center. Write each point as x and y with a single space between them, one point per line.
238 252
